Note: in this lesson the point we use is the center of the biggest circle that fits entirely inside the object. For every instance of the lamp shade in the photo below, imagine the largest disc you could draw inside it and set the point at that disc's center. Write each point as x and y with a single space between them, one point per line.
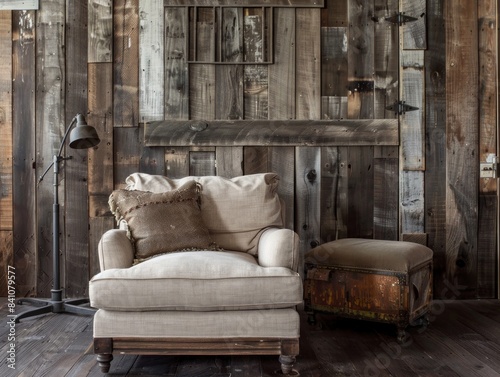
83 136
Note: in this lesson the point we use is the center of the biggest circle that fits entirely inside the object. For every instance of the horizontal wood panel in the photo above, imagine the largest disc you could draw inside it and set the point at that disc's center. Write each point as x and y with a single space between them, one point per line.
272 133
18 5
243 3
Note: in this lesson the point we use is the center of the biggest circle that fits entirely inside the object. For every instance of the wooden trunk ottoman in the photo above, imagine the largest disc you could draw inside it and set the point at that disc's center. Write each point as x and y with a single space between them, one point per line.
383 281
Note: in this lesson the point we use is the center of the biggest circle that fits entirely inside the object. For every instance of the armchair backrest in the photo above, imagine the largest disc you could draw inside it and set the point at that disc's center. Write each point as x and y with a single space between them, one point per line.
236 211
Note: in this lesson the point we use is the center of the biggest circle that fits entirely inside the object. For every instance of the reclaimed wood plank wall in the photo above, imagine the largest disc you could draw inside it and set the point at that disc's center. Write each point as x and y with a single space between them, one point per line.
127 63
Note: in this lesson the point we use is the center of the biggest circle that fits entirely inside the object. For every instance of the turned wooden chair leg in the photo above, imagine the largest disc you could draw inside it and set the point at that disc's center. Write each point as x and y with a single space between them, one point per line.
287 363
104 360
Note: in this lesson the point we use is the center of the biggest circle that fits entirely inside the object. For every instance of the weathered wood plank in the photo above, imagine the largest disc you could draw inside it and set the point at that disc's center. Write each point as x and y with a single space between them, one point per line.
23 119
76 206
254 3
202 163
415 33
487 258
177 162
386 199
229 161
360 187
255 77
361 64
202 96
308 60
126 63
100 103
127 153
229 78
50 118
282 84
6 138
7 267
386 62
435 137
334 14
100 21
411 196
329 193
19 5
176 68
462 129
488 94
151 61
307 199
273 132
334 65
334 107
412 132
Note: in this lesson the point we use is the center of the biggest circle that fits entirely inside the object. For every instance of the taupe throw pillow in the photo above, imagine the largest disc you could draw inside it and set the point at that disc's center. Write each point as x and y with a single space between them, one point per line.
162 222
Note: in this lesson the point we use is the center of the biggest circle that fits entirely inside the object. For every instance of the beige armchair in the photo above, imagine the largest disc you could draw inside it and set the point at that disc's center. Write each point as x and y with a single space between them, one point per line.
203 267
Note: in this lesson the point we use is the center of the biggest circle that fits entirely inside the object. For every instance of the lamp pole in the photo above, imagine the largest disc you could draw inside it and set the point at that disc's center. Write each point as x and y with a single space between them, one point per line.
82 137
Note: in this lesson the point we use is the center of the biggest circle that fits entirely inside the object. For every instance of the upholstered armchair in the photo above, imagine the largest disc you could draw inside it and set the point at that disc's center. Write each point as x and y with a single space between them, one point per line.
199 266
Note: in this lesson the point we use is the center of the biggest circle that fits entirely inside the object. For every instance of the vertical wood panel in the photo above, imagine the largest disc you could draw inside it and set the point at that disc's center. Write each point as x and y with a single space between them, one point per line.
487 263
151 61
6 140
360 174
127 142
386 199
202 97
282 91
360 59
100 21
487 86
76 177
415 33
308 159
412 134
23 121
386 62
126 63
100 103
255 77
412 201
176 68
334 61
435 153
282 72
101 167
6 122
329 188
307 199
487 260
462 143
229 78
50 121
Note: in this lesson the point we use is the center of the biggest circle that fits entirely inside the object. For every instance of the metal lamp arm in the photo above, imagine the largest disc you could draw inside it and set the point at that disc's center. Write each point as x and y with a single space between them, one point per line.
58 155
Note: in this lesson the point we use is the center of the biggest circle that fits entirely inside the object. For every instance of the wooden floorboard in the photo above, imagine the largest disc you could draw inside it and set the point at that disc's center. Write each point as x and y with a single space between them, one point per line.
463 339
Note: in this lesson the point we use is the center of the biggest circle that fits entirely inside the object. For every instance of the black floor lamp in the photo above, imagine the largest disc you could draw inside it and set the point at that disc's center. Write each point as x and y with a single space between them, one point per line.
83 136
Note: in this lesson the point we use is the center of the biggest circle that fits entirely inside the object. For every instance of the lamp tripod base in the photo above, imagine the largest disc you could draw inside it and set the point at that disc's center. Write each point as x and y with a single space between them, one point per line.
54 305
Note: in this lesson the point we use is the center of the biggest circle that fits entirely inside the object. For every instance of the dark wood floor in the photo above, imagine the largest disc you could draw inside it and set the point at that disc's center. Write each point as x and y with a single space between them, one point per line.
463 339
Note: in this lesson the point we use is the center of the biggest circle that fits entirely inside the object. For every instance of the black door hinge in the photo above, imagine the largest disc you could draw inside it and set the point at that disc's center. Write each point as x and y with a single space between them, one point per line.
401 18
400 107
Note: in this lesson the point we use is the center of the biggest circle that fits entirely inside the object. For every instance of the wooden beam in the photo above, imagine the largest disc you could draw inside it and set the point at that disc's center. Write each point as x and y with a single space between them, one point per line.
248 3
271 132
18 5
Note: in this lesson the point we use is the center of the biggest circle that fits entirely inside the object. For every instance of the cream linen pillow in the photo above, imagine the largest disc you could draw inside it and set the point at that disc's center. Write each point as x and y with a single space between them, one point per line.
236 210
162 222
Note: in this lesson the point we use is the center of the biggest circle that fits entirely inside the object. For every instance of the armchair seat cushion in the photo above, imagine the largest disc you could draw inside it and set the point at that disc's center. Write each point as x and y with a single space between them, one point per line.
196 281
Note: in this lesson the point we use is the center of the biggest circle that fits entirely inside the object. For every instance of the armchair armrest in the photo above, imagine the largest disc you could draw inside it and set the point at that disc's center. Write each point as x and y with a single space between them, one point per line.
279 248
115 250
